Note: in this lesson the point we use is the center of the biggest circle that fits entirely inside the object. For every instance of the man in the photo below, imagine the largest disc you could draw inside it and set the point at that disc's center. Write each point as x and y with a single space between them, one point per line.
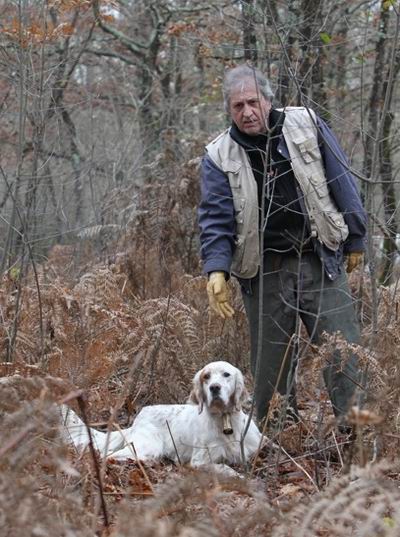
278 199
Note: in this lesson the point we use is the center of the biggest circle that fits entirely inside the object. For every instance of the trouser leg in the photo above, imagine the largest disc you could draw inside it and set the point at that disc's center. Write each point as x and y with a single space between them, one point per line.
327 306
274 368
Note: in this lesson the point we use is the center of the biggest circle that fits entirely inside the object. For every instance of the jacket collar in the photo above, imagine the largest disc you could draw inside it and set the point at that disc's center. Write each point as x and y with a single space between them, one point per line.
276 119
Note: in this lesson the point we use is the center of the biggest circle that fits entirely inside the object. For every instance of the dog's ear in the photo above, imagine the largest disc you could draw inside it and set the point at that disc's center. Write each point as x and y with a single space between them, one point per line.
241 394
197 394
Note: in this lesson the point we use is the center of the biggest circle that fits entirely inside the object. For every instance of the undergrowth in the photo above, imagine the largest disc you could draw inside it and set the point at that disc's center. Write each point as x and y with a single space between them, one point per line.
130 327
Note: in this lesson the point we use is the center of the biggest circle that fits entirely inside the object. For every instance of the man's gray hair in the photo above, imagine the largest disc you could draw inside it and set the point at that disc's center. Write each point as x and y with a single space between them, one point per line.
241 73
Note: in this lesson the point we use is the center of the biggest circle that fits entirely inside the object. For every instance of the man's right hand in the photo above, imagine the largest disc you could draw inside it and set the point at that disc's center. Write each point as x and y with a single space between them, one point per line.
218 295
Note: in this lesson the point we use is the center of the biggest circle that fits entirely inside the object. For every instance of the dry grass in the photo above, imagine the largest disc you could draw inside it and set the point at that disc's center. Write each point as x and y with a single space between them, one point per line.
131 330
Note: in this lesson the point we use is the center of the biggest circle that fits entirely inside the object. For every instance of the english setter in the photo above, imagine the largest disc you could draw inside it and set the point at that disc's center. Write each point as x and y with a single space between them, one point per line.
196 433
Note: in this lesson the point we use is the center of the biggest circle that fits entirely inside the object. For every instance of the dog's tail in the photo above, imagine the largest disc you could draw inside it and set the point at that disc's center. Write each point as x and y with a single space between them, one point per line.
75 432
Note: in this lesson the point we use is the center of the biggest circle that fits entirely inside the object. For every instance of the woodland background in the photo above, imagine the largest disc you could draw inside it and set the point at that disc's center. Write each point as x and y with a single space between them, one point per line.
105 107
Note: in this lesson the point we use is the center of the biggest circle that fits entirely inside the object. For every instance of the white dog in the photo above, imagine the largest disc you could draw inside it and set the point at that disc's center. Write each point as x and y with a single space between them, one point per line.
190 433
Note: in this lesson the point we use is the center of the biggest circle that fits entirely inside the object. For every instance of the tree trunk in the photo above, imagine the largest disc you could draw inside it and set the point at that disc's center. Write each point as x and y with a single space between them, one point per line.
386 171
375 103
313 55
249 31
389 200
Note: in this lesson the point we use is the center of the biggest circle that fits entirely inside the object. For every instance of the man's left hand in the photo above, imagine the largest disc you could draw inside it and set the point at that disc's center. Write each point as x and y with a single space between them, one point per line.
353 260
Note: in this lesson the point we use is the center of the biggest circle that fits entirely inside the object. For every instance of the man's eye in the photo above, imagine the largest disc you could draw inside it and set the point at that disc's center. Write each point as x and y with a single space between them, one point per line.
227 374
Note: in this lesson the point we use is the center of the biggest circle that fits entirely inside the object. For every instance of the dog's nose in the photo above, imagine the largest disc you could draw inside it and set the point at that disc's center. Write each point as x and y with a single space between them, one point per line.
215 389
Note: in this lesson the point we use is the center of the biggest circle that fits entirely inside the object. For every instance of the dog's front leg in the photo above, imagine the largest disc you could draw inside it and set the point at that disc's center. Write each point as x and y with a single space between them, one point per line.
217 468
200 457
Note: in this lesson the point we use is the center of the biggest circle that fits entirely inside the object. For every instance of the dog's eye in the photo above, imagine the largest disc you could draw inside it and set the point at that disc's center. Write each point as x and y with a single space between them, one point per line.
226 374
206 376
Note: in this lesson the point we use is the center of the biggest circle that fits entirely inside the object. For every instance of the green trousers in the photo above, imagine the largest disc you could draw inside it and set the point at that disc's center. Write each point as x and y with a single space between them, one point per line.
297 288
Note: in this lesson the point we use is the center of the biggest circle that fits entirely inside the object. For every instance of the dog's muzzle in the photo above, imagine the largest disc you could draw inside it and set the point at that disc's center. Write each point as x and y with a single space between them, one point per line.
215 390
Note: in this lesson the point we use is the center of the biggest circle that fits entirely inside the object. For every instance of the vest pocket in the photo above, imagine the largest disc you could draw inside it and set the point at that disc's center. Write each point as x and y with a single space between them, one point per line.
309 149
336 230
235 181
232 168
319 185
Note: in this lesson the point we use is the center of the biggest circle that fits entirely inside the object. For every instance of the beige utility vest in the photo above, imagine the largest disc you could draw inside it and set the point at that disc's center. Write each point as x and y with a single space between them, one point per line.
326 222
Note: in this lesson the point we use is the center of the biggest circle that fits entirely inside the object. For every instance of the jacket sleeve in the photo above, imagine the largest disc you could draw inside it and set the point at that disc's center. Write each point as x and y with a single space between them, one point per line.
343 188
216 218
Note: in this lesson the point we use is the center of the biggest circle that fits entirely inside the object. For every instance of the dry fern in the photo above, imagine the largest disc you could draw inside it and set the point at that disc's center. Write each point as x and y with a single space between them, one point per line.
35 498
200 504
365 502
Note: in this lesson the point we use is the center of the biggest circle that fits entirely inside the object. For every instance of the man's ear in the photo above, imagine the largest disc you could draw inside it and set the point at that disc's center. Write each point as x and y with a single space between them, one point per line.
197 394
241 394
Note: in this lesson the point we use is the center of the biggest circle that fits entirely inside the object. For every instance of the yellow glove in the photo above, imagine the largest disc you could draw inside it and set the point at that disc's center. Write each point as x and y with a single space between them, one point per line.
218 295
353 260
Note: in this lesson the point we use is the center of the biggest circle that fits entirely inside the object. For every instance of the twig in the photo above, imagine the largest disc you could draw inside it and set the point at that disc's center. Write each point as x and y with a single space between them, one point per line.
26 243
269 408
16 439
306 455
173 442
82 408
391 435
157 346
300 468
139 462
130 494
72 395
338 450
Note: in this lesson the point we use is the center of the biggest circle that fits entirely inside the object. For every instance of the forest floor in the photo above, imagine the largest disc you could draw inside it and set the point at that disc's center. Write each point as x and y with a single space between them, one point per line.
120 351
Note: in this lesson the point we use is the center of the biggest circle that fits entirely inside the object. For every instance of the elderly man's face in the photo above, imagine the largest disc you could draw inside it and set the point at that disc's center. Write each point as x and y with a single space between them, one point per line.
248 108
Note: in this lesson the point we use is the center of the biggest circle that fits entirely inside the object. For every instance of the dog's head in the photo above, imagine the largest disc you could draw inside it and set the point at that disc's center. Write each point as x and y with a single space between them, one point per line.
220 387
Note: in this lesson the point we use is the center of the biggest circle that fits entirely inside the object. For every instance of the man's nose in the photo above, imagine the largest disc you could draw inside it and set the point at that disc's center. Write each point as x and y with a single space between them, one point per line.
247 110
215 389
